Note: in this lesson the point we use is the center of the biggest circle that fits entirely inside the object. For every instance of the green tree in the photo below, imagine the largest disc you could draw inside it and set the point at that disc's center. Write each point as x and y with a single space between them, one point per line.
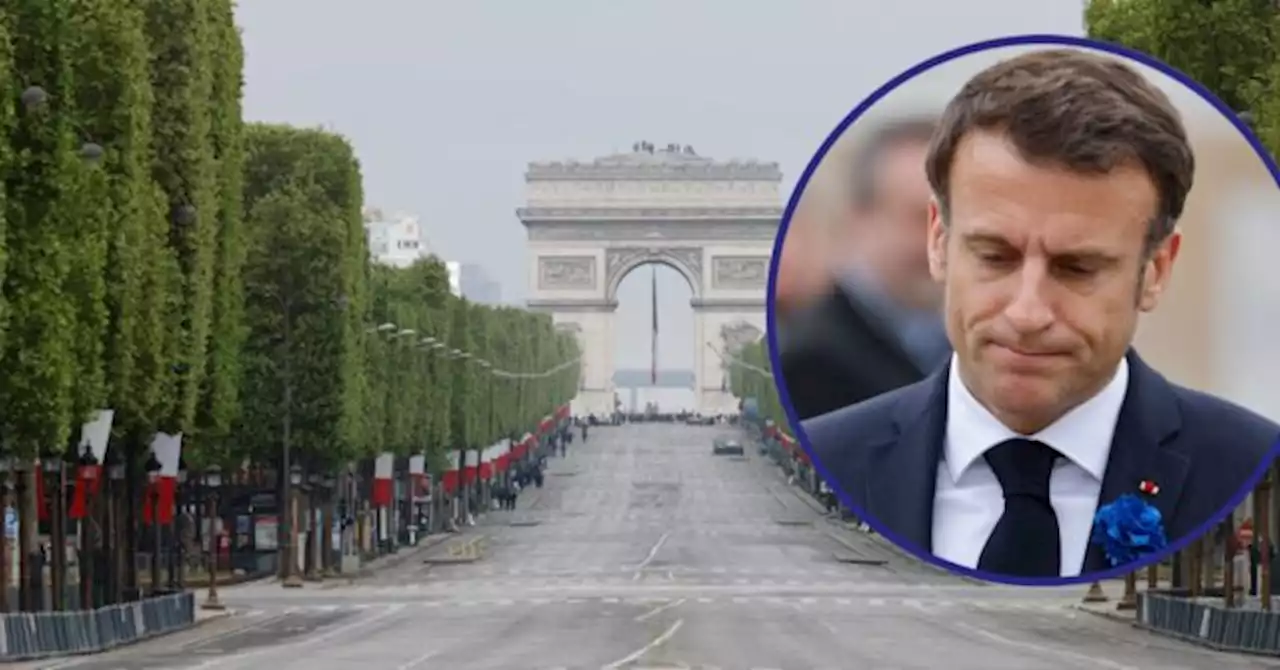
10 88
42 210
298 294
1230 46
123 236
219 402
183 165
463 396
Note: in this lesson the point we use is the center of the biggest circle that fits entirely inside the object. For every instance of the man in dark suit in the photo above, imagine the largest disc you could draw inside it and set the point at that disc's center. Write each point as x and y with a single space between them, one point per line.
1058 178
879 327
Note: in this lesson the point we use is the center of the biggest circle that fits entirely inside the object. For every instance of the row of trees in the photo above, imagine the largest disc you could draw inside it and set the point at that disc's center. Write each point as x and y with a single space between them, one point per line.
751 379
204 276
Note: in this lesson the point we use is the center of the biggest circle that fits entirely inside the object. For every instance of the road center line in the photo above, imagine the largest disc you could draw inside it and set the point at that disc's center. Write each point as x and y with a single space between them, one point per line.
657 642
659 609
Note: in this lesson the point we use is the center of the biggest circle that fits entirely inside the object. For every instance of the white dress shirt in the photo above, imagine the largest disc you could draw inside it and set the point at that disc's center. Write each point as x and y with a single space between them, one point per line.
968 501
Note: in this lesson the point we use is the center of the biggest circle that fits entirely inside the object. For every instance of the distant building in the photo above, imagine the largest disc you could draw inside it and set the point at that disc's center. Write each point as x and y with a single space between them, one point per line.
477 286
394 240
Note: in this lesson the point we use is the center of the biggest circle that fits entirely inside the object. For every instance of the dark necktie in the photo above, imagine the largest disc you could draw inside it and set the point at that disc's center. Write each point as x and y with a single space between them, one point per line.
1025 543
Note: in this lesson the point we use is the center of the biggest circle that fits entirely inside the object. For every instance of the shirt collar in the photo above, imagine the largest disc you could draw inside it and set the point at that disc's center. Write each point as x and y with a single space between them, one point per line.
1083 435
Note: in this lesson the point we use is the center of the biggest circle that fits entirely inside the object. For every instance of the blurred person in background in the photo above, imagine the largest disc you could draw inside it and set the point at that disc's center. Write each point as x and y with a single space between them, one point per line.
878 328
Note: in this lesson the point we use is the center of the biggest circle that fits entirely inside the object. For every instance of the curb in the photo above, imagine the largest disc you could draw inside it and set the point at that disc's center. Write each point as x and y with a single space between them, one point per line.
1115 616
396 560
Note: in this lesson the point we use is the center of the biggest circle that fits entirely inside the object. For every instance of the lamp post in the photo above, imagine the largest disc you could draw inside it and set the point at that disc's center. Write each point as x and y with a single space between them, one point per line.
291 578
213 480
115 526
310 559
326 531
52 466
153 492
89 473
178 552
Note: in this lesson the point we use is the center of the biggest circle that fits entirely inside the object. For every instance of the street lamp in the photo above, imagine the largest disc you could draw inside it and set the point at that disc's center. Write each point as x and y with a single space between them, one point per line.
213 480
183 215
153 478
33 98
291 578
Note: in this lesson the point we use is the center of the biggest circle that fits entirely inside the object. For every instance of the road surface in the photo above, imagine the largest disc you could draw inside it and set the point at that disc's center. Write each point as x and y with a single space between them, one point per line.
645 551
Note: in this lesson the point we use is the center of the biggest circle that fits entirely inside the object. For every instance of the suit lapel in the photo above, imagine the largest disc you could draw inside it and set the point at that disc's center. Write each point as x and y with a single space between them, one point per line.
906 468
1140 450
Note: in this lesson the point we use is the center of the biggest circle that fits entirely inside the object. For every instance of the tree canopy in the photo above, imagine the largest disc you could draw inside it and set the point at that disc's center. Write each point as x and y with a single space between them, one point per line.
161 257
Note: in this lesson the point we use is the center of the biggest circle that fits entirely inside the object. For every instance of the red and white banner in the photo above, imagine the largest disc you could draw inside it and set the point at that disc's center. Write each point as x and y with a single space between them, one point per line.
162 492
449 480
383 486
472 467
544 426
418 475
493 460
93 436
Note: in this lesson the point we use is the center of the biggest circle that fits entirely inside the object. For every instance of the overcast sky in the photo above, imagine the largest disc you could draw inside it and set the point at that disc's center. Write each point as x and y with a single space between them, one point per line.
446 102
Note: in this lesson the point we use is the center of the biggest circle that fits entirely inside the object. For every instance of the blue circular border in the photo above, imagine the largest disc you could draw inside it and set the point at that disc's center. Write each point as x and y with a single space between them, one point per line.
771 313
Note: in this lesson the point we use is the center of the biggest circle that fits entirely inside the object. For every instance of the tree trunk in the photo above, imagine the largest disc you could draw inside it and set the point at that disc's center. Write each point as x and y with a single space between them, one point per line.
326 536
130 526
29 553
58 538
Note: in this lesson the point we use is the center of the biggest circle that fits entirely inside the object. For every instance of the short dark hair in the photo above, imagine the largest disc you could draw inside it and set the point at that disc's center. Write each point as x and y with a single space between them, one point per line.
897 133
1079 110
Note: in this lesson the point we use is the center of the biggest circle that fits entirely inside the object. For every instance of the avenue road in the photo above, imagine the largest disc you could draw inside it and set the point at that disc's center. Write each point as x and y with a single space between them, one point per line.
644 550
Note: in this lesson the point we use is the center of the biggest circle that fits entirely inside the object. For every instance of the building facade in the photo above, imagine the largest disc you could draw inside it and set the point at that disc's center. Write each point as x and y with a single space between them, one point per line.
394 239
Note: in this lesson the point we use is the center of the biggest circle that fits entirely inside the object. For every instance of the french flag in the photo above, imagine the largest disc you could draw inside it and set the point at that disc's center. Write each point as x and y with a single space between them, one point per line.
418 474
93 436
383 487
162 493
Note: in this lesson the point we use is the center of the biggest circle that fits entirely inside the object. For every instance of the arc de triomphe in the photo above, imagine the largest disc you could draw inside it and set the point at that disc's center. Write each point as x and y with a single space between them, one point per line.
590 223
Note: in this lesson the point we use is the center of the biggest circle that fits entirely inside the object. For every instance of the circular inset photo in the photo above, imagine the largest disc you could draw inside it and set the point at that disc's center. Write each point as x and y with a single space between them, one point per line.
1040 352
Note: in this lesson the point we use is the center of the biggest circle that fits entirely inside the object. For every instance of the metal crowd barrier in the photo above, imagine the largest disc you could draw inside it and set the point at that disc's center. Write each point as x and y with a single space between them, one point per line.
30 635
1207 622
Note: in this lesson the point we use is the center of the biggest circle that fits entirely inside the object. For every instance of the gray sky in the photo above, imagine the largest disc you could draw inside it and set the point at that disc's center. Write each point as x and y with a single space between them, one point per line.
447 101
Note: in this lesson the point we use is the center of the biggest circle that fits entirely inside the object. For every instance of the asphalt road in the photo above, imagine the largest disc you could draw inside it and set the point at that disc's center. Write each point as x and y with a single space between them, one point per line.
645 551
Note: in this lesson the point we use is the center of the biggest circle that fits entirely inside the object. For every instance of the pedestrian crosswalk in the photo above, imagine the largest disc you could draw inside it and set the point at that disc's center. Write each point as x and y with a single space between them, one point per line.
788 571
939 606
648 580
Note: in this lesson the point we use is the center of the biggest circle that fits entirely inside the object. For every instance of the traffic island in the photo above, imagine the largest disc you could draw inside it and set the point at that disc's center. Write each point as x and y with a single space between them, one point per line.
35 635
1245 628
468 550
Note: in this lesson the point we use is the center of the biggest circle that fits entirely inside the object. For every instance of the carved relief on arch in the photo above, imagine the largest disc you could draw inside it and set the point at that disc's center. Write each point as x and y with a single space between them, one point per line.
620 261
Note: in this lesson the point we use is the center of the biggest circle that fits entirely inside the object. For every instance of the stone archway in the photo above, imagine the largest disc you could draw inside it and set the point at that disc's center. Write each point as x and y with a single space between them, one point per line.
591 223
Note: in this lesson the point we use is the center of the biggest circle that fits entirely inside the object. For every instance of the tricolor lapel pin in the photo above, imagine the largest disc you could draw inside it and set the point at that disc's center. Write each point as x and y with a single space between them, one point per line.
1148 487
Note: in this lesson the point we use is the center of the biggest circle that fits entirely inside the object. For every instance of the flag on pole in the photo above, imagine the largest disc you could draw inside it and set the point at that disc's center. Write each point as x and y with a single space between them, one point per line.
653 372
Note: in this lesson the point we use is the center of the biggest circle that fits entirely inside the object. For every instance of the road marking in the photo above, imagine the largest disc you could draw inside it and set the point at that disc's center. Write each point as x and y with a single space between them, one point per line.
415 662
656 642
305 642
1064 653
660 609
657 546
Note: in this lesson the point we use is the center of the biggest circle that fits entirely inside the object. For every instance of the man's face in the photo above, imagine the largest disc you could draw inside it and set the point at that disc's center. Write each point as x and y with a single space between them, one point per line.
1044 274
892 228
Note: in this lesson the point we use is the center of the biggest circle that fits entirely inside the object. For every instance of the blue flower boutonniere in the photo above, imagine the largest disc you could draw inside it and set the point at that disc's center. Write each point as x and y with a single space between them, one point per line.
1130 527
